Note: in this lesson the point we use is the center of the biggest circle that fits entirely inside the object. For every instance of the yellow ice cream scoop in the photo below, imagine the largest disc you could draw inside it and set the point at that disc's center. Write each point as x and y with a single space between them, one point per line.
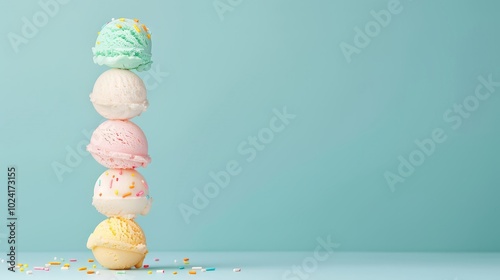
118 243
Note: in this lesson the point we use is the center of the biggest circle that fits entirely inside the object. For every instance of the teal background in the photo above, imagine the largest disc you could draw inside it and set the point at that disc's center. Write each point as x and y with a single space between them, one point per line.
322 175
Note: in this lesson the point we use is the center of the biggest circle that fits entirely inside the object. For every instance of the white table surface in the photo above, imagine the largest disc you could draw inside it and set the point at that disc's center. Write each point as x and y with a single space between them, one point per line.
275 265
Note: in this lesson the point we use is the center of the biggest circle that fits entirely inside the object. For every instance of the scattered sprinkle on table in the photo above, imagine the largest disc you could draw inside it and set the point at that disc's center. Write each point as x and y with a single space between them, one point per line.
196 267
150 272
174 273
55 263
29 272
72 260
157 260
210 268
82 268
38 268
90 260
186 259
121 272
146 266
90 272
94 266
192 272
64 268
181 267
66 265
160 271
237 269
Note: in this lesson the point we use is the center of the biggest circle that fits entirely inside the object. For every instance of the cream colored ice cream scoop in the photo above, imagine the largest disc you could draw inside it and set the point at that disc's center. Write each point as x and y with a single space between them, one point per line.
121 192
119 95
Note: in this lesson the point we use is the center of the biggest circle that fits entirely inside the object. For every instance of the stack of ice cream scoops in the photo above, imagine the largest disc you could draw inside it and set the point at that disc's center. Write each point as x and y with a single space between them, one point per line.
120 193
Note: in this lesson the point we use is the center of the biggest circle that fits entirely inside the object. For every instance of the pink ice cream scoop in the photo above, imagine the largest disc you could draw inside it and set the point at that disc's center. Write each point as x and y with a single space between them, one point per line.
119 144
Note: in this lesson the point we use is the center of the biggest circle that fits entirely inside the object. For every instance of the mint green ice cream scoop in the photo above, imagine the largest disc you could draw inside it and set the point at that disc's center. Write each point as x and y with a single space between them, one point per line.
124 43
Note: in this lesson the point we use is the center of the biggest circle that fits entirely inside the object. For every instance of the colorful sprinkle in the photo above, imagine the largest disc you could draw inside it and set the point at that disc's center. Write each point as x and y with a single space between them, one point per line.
117 179
107 173
186 259
146 266
174 273
157 259
94 266
46 269
116 192
90 272
144 184
111 183
131 186
136 20
29 272
119 26
137 28
121 272
181 267
66 265
160 271
133 174
90 260
192 272
196 267
139 193
122 19
25 265
64 268
82 268
100 194
144 27
149 36
22 269
210 268
236 269
54 263
127 194
72 260
150 272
